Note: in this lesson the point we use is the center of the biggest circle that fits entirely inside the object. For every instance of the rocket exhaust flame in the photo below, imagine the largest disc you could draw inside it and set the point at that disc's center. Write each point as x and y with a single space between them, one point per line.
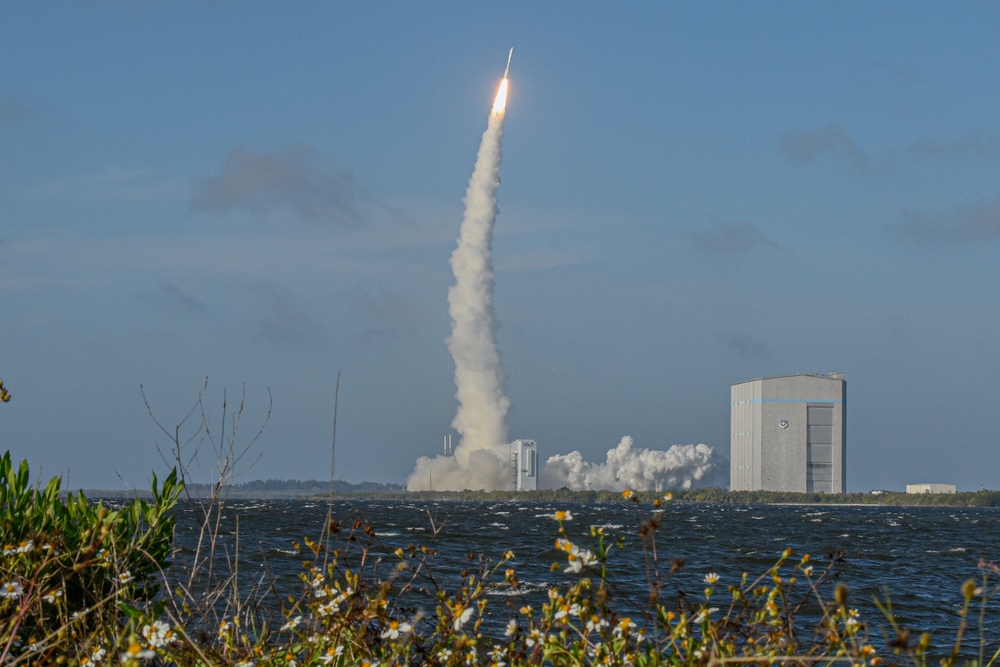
500 104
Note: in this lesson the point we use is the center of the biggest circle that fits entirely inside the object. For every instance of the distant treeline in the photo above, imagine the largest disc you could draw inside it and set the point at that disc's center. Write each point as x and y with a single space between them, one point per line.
310 486
282 488
274 488
712 495
964 499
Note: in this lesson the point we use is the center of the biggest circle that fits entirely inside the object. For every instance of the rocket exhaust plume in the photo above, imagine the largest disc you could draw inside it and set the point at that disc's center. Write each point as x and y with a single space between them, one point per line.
480 459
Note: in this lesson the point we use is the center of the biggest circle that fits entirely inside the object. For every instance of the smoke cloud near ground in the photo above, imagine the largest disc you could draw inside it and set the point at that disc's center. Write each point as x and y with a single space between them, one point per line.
625 467
480 459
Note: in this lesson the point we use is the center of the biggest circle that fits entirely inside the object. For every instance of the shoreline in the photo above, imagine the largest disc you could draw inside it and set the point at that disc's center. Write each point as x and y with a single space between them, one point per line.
712 495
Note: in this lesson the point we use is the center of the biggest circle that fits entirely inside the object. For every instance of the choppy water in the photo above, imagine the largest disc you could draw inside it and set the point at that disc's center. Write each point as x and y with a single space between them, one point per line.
921 556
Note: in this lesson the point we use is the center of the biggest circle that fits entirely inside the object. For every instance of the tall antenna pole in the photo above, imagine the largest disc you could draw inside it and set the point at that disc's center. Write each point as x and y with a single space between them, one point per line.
333 445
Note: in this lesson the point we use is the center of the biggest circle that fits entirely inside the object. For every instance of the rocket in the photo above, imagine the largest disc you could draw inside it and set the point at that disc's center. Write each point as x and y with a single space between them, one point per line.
509 56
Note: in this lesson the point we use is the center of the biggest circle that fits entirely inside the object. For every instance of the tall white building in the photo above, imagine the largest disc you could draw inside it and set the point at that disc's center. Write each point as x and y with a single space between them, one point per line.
524 465
789 433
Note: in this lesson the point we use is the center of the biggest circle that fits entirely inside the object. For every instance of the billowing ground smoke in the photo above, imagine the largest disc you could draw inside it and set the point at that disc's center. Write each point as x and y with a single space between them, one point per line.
480 459
680 467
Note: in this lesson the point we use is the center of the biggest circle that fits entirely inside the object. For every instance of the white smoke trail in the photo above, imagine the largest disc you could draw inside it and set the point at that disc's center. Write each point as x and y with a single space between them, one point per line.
480 459
680 467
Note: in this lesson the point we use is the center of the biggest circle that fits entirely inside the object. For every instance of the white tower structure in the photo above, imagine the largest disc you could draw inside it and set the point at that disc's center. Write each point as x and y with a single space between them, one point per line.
524 465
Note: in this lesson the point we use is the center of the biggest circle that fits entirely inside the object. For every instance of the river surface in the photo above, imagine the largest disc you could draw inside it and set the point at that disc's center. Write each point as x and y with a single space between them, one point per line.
921 556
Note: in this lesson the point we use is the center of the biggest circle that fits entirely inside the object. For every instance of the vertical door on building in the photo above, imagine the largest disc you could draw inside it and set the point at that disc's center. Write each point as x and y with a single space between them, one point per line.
819 460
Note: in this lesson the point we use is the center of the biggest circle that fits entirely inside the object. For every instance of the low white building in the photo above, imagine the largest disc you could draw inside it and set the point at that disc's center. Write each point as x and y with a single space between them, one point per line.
931 488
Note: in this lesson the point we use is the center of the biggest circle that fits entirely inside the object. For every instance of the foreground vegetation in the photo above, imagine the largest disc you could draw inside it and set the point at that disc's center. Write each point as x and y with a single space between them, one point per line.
82 584
85 584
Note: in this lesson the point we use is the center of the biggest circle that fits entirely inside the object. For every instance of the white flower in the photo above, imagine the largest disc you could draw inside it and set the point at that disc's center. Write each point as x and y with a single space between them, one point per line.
444 654
704 614
395 629
11 589
25 546
579 559
497 654
224 629
135 651
292 623
624 628
125 577
332 653
563 515
567 610
98 654
158 634
342 598
511 627
51 596
565 545
462 615
711 578
596 624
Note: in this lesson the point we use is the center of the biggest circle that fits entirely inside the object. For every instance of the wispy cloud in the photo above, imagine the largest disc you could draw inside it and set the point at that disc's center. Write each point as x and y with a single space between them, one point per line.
976 144
979 221
833 140
730 238
296 180
745 347
284 322
168 296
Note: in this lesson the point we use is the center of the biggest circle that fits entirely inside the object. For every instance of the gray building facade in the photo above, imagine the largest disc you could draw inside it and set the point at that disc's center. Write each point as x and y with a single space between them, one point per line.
789 433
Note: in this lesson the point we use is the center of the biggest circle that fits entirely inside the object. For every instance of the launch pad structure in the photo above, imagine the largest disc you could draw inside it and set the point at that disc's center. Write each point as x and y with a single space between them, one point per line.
524 465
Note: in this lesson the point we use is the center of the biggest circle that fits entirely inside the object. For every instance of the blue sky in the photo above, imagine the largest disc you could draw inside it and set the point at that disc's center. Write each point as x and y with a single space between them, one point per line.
693 195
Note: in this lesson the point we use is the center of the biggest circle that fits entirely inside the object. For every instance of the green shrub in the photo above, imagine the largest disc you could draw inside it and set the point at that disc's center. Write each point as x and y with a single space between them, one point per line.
69 567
